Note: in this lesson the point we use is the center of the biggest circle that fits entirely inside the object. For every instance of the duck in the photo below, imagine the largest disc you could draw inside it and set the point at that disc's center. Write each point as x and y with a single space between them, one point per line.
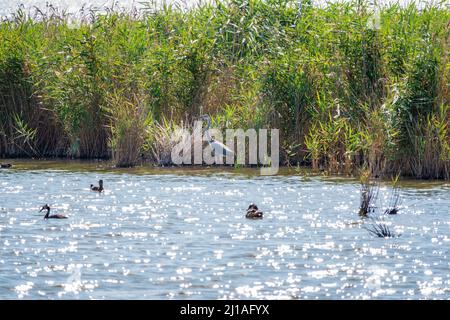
5 165
253 212
99 188
53 216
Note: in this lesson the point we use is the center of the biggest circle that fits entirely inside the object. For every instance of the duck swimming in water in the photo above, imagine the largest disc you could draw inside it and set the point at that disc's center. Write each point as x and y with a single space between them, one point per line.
53 216
99 188
5 165
253 212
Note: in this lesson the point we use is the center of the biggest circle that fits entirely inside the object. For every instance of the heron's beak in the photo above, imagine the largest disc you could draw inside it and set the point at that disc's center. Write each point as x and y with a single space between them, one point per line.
41 209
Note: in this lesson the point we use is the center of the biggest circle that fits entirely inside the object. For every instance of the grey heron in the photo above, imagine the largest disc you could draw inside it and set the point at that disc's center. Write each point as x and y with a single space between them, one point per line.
218 147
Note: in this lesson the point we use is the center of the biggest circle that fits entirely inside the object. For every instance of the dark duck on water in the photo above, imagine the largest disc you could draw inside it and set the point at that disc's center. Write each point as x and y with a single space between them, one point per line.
5 165
253 212
53 216
99 188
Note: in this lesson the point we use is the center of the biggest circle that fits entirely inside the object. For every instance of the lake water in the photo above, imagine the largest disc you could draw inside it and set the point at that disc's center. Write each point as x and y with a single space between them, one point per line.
182 234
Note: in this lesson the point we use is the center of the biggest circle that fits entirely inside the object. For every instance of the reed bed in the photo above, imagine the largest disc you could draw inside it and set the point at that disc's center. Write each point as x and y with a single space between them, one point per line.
348 86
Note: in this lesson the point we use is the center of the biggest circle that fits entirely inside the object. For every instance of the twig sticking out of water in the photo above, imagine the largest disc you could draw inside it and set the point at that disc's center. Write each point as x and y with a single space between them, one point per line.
394 202
369 194
380 229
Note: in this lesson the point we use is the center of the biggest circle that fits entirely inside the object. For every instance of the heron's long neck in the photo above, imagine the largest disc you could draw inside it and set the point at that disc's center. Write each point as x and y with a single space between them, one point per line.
208 136
48 213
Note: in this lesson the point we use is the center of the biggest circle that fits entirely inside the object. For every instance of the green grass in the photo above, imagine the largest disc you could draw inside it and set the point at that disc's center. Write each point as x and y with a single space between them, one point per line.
344 95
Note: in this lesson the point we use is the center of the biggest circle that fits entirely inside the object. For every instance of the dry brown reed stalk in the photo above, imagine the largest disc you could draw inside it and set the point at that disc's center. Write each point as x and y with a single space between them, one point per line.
162 138
128 118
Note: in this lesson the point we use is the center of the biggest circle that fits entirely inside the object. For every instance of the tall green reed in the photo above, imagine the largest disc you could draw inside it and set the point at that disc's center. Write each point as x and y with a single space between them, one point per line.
345 93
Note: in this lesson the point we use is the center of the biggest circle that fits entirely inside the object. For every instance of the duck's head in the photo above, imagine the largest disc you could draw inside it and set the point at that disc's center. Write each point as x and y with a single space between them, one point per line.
45 207
100 183
252 207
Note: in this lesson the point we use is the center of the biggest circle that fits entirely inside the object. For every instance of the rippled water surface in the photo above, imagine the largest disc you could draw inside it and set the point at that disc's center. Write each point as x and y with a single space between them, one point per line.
182 235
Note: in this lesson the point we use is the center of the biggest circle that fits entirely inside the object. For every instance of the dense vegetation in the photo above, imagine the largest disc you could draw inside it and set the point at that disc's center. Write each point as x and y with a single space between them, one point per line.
347 88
